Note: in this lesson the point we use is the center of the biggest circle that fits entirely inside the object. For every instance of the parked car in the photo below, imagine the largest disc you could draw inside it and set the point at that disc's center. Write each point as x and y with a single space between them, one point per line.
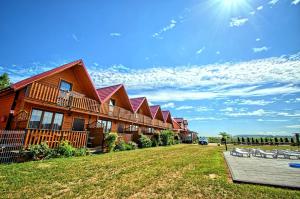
203 141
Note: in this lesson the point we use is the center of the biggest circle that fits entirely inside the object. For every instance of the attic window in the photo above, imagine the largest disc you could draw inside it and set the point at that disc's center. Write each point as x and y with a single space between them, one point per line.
65 86
112 102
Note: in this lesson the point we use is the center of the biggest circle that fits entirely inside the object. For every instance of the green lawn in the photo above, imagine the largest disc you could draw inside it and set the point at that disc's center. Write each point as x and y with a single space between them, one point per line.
181 171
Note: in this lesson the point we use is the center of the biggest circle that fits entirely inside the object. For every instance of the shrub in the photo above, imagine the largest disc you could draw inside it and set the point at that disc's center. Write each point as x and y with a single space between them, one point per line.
81 152
156 140
65 149
167 137
144 142
110 141
120 146
40 151
131 146
176 139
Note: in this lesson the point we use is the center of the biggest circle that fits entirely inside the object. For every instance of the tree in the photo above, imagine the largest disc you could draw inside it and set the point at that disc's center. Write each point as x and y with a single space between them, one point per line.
243 140
238 139
4 81
224 135
261 140
286 140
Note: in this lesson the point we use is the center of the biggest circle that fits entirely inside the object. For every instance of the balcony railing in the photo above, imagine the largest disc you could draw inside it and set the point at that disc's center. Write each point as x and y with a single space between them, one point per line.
53 95
121 113
77 139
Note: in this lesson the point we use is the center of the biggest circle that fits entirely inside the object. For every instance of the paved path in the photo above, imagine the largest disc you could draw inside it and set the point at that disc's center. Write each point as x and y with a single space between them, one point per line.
257 170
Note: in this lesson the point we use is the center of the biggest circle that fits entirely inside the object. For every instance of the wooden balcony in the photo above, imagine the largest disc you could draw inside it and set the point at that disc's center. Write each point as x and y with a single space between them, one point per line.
52 95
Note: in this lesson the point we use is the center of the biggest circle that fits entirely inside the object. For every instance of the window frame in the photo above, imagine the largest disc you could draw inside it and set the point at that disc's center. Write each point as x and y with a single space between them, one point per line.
42 118
60 82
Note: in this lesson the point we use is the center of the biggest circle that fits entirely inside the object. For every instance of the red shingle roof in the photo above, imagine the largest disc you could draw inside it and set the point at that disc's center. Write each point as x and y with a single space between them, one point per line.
175 124
25 82
106 92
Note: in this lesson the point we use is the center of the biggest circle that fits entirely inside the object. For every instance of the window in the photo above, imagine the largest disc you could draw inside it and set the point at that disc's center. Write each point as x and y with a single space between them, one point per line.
35 119
65 86
112 102
78 124
45 120
106 125
57 122
120 128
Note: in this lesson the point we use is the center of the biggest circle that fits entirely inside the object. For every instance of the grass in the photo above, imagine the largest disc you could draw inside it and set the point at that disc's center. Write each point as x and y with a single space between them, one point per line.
181 171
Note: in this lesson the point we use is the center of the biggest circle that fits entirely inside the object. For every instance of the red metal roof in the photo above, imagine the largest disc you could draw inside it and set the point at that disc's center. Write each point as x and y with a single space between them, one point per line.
165 115
137 102
175 124
178 120
25 82
154 110
106 92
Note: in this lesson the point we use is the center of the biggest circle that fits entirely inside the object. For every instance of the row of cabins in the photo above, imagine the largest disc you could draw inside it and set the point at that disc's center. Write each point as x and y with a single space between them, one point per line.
63 103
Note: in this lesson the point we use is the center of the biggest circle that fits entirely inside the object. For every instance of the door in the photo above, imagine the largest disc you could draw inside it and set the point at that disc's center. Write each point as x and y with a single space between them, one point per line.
78 124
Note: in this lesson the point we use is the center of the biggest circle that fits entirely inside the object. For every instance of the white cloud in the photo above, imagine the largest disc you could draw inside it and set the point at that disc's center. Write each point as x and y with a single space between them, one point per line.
259 112
218 52
271 120
259 7
293 126
273 2
252 13
236 21
184 107
115 34
165 29
204 118
257 39
249 102
75 37
295 2
284 70
168 105
182 95
200 50
203 109
260 49
228 109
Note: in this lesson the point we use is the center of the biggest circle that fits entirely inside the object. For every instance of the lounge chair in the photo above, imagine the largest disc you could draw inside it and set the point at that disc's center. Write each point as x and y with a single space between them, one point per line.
265 154
239 152
290 154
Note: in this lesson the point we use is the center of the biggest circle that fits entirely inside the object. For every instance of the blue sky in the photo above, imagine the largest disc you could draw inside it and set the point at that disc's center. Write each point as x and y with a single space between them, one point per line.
226 65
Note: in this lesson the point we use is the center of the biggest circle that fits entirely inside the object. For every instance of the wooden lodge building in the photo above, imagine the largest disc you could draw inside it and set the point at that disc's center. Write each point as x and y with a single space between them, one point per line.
63 103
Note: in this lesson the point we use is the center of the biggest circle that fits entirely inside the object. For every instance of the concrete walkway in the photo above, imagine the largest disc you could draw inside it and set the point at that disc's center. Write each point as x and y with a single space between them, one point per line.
275 172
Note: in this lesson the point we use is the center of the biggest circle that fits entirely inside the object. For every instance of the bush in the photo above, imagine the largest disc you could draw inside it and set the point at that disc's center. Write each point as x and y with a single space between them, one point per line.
144 142
81 152
65 149
40 151
110 141
156 140
176 139
120 146
167 137
131 146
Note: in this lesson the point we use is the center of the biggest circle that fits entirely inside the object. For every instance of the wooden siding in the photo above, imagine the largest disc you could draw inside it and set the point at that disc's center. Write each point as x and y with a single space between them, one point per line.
6 102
